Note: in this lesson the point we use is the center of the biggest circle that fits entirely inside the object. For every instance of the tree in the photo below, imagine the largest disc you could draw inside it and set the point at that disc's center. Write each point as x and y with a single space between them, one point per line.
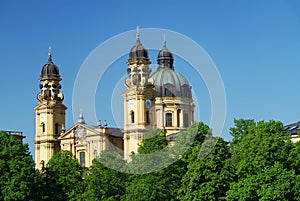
260 165
18 178
240 129
156 174
271 183
63 176
207 178
105 179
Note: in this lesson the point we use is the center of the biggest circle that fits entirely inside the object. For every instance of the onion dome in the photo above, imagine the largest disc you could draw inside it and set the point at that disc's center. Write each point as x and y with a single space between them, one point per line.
50 70
138 50
165 57
168 82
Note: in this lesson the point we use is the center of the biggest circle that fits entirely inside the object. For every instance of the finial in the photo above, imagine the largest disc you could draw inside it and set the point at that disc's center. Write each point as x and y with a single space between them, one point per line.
81 119
137 33
165 41
49 53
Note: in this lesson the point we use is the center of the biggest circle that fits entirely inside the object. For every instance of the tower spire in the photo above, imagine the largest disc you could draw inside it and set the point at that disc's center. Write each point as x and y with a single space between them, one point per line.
49 54
137 33
165 41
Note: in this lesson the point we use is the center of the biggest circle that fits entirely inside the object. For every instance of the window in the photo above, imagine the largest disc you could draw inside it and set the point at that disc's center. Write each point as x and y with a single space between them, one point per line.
147 117
132 117
43 127
186 120
178 117
168 92
82 158
56 128
168 119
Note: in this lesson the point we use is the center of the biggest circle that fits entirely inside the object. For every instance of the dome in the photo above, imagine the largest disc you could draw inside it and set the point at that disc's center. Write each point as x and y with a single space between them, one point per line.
165 58
138 51
50 70
169 83
165 54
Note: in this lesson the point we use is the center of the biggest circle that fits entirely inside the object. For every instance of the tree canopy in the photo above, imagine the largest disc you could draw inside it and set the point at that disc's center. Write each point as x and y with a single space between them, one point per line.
18 178
259 163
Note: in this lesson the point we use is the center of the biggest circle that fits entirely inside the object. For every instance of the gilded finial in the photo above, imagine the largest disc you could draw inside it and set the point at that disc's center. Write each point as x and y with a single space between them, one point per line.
49 53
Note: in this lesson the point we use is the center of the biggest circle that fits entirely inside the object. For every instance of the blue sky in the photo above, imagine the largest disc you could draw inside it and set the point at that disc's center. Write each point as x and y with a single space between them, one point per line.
254 44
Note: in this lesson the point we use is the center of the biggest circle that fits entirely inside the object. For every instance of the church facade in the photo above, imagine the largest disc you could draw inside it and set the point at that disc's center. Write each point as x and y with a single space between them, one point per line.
162 99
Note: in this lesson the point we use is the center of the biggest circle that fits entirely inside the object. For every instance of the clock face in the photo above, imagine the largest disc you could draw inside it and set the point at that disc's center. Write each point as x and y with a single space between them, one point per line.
131 104
148 103
42 117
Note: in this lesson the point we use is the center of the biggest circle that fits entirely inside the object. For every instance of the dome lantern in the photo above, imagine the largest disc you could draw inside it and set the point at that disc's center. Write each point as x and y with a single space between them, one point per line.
50 70
165 57
138 51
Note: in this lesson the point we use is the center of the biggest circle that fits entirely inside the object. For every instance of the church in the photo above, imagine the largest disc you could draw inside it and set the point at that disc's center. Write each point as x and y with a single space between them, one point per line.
162 99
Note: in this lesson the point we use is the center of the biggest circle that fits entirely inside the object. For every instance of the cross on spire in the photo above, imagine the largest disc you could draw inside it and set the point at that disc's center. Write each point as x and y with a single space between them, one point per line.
165 41
137 33
49 54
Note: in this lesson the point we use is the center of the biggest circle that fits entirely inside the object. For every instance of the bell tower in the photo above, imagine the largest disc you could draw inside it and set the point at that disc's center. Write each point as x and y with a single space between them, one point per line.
49 114
139 98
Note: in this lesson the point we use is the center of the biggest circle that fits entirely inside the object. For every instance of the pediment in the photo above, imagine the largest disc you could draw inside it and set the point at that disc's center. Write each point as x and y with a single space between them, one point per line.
79 131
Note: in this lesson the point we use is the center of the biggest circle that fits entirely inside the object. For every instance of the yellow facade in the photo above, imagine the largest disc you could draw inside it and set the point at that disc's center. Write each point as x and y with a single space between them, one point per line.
87 142
49 113
151 100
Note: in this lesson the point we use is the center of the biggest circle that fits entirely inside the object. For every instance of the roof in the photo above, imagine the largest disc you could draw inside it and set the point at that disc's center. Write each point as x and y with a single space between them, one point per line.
168 82
50 70
17 134
292 128
115 132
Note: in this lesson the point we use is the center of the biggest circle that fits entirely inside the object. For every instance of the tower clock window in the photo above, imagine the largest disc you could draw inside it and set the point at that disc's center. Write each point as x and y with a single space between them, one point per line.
168 119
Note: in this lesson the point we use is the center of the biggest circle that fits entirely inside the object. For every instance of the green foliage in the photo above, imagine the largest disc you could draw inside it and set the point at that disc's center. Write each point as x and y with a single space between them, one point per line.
157 183
105 183
207 178
260 163
153 154
187 140
63 176
18 178
155 140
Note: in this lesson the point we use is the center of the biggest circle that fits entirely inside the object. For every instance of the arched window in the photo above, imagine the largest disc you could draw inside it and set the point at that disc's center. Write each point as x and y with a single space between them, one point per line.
168 92
147 117
56 128
178 117
168 119
132 116
43 127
